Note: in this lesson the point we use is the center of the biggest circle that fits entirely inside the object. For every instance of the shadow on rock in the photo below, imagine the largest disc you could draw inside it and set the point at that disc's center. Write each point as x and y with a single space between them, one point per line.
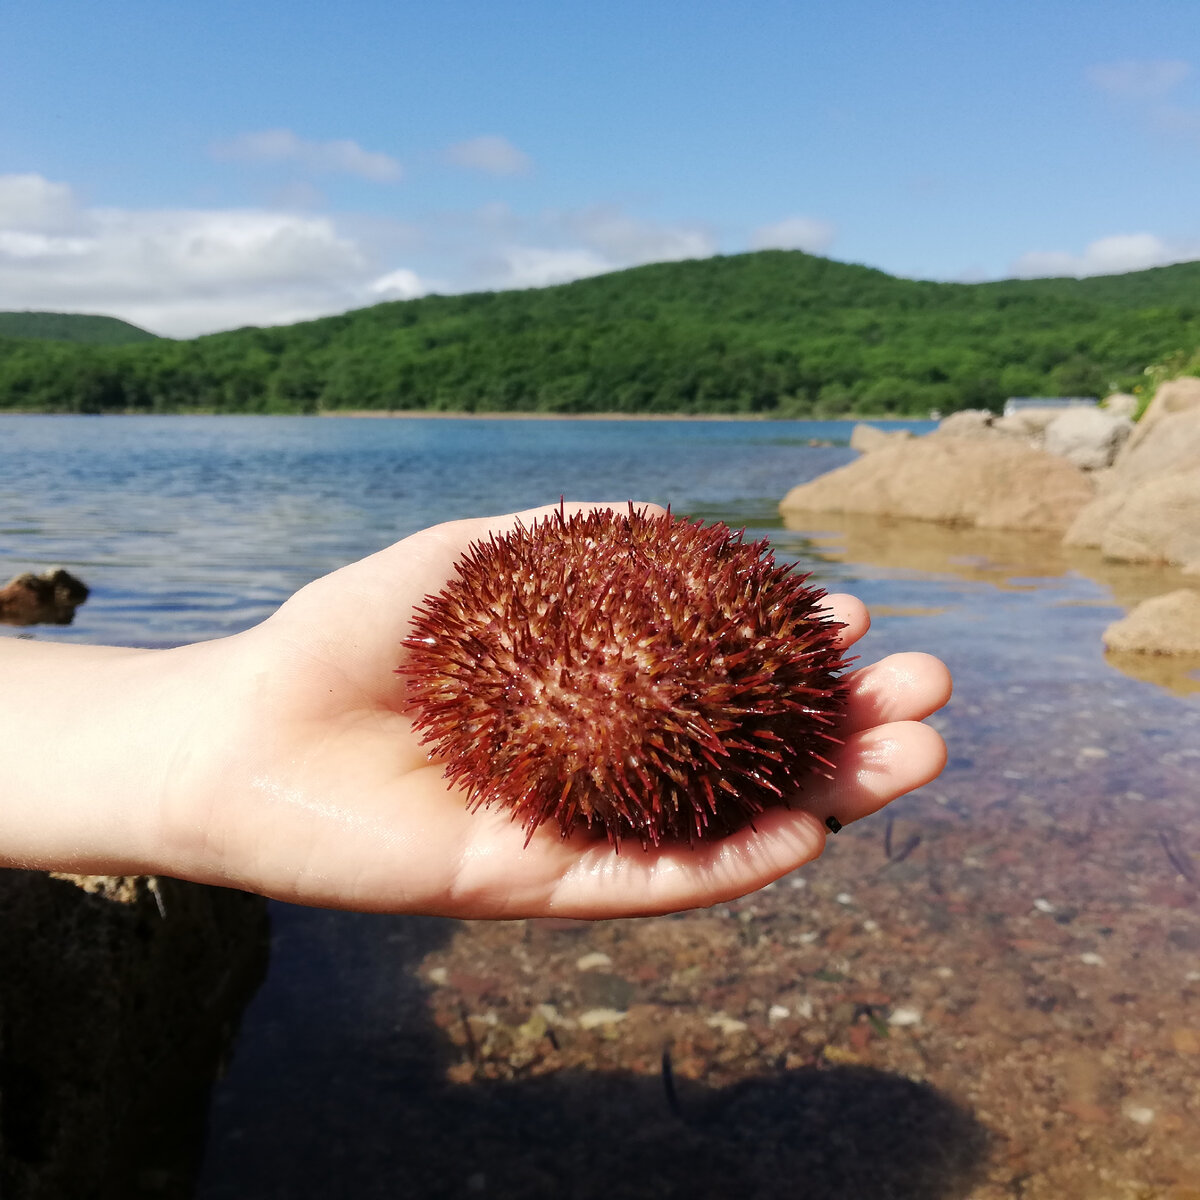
119 996
340 1088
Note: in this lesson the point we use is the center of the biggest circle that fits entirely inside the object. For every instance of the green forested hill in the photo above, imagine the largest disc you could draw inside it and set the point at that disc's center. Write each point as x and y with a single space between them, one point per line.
773 332
71 327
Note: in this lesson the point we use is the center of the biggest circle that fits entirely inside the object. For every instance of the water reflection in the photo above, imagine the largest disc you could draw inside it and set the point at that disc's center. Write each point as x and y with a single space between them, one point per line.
1178 674
1007 561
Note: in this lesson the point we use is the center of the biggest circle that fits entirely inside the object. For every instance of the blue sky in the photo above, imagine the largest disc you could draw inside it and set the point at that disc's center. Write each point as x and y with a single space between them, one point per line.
193 167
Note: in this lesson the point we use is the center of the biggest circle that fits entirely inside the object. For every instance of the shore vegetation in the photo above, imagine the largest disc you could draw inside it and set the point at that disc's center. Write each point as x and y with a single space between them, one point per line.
774 333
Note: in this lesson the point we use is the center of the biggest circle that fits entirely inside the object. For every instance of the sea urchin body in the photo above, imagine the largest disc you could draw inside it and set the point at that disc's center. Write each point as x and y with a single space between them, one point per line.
632 674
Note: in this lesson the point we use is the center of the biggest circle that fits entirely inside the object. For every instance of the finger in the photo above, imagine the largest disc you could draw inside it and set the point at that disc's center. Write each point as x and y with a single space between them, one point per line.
902 687
874 767
636 882
852 612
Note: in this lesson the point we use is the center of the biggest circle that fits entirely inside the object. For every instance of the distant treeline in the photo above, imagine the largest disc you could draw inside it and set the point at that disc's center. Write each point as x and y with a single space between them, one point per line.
776 332
71 327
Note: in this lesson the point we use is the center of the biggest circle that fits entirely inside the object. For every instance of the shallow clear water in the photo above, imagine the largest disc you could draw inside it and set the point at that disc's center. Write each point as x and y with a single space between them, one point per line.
1072 781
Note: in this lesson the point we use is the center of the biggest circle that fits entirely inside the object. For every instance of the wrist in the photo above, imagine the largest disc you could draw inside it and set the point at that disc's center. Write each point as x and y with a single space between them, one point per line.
88 740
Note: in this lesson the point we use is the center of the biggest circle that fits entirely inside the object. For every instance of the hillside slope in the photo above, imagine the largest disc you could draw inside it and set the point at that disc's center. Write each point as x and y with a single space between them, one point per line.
777 332
72 327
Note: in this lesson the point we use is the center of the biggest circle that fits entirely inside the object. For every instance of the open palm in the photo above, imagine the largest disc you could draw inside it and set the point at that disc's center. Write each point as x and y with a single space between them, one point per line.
322 794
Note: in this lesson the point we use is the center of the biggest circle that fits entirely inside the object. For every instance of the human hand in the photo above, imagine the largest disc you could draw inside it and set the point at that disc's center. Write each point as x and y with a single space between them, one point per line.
300 774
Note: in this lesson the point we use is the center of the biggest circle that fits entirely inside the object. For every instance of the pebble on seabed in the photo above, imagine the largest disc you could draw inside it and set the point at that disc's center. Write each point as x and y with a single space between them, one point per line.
590 962
600 1016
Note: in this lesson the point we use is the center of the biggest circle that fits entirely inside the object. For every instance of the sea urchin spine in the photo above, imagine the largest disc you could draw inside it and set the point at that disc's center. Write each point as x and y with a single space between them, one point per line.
631 674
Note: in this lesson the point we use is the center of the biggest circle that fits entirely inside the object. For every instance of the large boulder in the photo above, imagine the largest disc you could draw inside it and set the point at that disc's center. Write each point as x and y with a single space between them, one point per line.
1168 624
1030 423
1120 404
119 996
1026 424
1148 506
1090 525
987 483
867 438
1172 443
1086 437
1174 396
967 422
1158 521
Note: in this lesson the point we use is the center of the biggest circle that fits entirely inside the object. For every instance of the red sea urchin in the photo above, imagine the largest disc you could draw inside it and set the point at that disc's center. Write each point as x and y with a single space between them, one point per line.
641 675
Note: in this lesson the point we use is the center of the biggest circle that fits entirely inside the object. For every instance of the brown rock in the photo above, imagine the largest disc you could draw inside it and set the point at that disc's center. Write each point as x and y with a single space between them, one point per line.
1087 437
1167 624
1120 404
1093 520
1029 423
1171 444
968 422
119 996
986 483
1158 521
867 438
1148 506
1174 396
49 599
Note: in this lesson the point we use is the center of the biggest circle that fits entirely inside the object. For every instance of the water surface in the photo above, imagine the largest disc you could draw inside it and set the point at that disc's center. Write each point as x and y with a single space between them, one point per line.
1018 945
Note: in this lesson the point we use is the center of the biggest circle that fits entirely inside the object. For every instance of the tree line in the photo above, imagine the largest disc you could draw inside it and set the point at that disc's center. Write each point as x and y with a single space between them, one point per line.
775 332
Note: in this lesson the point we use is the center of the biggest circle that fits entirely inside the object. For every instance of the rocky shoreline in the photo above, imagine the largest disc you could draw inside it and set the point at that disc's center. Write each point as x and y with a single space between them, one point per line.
1089 476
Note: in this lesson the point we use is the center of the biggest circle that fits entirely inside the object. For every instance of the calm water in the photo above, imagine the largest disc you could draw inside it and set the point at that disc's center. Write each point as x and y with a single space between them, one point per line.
190 528
193 527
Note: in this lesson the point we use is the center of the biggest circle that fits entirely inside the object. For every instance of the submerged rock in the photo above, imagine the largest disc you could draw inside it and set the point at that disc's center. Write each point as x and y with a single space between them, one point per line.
48 599
119 997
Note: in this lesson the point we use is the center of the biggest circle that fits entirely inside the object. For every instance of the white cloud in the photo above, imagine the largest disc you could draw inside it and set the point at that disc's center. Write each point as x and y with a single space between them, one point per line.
539 266
1112 255
559 246
492 154
184 272
624 240
30 203
181 272
401 284
795 233
1139 79
341 156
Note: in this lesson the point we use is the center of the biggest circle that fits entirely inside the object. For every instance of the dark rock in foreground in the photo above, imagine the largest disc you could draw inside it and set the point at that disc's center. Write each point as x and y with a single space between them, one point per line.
119 997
